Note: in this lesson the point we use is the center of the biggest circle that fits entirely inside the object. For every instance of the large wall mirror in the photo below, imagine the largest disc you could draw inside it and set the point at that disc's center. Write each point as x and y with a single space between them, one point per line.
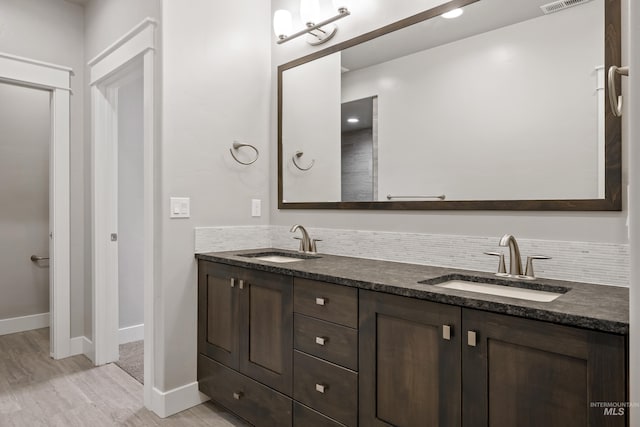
504 107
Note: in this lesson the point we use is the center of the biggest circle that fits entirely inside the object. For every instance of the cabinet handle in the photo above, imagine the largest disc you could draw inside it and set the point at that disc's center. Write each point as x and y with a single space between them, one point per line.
241 284
321 301
238 395
446 332
233 282
471 338
321 388
321 340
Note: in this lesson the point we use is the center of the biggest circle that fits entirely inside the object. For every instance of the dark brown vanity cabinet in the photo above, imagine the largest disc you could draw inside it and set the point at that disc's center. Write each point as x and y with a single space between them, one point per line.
409 362
282 351
325 359
519 372
428 364
245 322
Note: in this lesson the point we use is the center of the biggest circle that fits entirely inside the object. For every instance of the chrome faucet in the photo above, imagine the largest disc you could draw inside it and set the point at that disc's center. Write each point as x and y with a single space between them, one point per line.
515 263
307 244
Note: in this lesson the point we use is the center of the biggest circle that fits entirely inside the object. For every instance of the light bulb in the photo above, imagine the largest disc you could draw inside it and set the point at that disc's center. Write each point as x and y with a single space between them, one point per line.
309 11
282 23
452 13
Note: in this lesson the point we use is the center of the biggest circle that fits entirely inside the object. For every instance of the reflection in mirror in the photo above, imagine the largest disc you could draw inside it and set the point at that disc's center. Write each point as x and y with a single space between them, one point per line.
359 149
498 104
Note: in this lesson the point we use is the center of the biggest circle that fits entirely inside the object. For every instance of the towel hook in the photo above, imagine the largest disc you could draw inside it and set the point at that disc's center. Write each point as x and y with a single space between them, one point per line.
614 99
298 155
236 146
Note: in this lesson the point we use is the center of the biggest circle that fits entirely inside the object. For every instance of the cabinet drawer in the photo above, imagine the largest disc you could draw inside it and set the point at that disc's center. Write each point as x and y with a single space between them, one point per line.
335 343
254 402
335 303
326 387
307 417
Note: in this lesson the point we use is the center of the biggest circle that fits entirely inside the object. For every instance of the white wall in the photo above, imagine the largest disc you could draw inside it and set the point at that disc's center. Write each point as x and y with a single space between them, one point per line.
215 90
105 22
499 116
24 194
52 31
579 226
130 204
311 105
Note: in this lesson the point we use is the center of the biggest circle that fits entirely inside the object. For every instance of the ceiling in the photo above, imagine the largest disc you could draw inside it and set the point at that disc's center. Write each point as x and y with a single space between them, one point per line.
362 109
479 17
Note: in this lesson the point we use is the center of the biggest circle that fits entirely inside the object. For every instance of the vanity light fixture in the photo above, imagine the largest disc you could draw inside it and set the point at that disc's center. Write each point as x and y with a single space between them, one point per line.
318 32
454 13
353 120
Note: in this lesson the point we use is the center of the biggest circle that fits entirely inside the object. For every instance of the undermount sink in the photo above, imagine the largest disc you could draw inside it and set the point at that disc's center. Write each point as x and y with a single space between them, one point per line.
279 257
528 291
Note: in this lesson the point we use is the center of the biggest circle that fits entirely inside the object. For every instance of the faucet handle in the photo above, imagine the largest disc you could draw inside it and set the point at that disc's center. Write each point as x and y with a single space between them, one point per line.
529 271
502 269
301 248
314 248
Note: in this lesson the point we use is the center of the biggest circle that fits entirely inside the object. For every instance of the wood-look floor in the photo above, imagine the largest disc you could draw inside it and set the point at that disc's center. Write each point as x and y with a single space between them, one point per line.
36 390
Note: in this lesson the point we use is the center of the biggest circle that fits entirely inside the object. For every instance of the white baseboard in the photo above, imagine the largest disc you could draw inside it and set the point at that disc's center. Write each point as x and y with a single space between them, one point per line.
81 345
167 403
131 333
24 323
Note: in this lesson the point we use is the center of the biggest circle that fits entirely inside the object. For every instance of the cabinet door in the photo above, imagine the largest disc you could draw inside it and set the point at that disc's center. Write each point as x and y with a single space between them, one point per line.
218 326
529 373
266 340
409 370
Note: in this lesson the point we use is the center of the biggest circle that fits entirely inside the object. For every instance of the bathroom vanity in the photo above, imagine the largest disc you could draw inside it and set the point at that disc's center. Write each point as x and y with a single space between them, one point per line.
338 341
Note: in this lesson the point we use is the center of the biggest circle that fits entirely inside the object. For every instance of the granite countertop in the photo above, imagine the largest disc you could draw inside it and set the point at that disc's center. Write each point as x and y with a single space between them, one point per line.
596 307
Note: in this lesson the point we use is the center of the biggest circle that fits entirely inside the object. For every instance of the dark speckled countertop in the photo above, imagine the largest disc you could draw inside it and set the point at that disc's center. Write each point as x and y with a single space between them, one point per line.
596 307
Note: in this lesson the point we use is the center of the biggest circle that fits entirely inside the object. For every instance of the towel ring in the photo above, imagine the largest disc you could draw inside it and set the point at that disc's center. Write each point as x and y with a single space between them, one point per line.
236 146
298 155
614 99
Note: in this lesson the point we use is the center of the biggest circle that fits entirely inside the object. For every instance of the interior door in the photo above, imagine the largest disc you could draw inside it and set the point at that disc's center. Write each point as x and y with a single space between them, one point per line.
25 123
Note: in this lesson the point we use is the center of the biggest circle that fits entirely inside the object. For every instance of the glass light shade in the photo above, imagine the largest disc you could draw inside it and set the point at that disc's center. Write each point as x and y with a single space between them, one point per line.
453 13
282 25
309 11
341 4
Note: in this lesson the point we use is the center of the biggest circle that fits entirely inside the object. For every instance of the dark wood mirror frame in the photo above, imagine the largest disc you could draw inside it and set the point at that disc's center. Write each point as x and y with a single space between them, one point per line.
613 134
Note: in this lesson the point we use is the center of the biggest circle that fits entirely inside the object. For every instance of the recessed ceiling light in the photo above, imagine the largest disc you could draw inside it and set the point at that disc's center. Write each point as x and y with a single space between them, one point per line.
453 13
353 120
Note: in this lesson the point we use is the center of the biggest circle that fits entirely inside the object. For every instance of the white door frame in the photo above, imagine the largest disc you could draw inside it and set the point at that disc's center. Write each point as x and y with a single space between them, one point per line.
55 79
107 71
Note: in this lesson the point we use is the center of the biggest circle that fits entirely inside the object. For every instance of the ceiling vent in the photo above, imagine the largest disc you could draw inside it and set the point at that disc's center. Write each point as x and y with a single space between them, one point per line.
557 6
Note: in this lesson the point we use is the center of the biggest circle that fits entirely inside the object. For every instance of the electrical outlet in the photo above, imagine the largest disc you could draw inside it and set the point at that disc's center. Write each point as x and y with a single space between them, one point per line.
256 207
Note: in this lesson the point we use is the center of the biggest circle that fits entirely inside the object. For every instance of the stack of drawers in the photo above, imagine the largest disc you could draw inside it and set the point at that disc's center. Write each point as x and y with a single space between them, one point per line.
325 359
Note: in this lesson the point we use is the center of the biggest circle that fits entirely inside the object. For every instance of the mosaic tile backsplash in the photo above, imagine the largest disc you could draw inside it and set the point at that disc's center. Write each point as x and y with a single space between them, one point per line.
590 262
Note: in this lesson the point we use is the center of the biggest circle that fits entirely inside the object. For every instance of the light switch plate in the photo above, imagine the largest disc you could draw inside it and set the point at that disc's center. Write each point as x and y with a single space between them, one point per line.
180 207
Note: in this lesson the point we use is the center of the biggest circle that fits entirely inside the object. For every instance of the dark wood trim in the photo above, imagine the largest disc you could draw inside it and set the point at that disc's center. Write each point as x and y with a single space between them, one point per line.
613 133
